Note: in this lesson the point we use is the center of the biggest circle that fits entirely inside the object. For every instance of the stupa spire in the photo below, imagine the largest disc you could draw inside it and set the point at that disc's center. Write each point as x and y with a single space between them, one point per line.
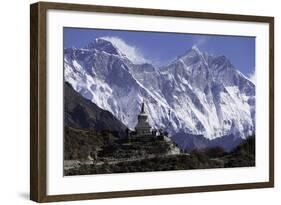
142 106
143 128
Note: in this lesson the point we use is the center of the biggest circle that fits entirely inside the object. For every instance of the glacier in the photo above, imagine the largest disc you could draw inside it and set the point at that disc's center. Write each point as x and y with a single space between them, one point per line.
196 94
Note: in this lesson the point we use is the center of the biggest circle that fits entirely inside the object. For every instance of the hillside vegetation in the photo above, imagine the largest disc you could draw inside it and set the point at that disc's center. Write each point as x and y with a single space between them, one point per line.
111 154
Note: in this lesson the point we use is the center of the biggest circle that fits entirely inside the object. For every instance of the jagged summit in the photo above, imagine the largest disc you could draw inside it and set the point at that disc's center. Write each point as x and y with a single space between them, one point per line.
103 45
191 56
196 49
116 46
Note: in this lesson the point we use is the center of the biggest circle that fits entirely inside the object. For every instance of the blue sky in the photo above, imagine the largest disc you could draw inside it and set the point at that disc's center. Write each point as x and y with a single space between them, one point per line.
160 48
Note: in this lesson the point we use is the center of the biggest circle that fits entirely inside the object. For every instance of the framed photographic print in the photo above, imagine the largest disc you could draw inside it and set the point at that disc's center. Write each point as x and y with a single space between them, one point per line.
134 102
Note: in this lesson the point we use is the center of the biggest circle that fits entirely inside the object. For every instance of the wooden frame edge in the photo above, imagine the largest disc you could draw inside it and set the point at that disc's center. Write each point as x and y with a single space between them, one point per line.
153 12
33 102
38 101
271 100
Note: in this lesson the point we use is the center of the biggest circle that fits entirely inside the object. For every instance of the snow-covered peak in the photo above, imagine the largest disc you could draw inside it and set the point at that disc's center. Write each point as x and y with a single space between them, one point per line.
116 46
131 52
196 49
193 55
103 45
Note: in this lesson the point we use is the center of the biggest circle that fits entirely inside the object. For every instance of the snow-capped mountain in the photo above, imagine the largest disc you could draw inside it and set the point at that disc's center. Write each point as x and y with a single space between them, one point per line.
197 93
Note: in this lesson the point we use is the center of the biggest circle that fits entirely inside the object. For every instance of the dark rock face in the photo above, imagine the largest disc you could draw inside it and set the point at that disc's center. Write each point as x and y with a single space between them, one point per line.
82 113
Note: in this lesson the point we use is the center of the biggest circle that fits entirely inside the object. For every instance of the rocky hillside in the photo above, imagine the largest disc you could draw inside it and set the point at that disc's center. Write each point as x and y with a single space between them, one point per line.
83 114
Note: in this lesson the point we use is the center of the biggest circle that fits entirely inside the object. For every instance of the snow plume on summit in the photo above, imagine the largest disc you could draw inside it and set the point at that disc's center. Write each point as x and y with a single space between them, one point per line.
131 52
252 77
197 94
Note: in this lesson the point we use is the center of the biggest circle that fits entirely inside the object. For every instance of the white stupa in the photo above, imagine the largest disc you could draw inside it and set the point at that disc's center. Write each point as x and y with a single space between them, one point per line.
142 128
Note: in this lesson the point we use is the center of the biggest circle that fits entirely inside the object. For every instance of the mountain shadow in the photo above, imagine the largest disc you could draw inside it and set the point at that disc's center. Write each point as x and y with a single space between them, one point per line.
83 114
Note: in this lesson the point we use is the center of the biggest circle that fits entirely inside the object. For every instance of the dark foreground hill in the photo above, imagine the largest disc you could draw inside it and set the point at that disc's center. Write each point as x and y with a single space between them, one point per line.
115 155
83 114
